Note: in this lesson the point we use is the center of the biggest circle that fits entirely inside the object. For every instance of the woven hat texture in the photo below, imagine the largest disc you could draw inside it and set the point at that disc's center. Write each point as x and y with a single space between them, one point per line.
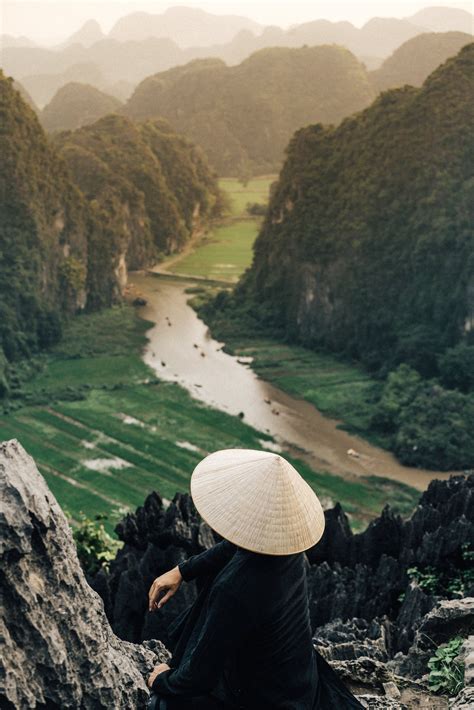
258 501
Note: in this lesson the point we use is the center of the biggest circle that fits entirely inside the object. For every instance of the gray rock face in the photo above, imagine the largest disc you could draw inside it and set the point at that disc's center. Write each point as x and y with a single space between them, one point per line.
464 701
449 618
364 575
57 647
155 540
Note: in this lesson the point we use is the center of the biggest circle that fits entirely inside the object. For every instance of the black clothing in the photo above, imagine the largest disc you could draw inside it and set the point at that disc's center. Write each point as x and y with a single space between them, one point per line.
247 639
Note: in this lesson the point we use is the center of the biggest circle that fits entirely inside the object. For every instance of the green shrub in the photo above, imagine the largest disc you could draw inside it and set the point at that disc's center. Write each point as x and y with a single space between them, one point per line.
256 209
427 579
95 547
430 426
456 368
446 671
454 580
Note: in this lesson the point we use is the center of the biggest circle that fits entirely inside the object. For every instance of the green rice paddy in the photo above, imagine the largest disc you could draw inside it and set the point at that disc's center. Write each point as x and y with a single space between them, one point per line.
226 251
105 432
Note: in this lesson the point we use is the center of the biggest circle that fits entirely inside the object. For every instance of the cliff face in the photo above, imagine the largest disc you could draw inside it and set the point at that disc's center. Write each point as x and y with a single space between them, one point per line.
58 650
159 179
45 227
367 248
76 213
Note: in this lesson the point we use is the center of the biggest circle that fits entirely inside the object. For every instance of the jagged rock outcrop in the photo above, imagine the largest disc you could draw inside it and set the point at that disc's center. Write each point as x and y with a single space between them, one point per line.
449 618
57 647
156 539
365 575
352 576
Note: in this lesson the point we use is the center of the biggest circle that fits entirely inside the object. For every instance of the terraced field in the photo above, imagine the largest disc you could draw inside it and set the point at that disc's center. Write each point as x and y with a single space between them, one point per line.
109 451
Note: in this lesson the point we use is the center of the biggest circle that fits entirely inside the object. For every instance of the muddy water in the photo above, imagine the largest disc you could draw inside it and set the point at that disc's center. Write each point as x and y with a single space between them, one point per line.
181 349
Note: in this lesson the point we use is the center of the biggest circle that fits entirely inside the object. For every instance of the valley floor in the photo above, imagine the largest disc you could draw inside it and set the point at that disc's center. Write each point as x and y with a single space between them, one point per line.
105 431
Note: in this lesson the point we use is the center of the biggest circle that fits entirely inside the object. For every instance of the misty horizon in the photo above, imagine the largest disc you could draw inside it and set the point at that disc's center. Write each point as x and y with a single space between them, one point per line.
48 22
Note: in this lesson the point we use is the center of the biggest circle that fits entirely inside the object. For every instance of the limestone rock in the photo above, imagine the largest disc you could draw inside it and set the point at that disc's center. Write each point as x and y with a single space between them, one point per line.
378 702
468 659
58 649
464 701
449 618
391 690
354 639
156 540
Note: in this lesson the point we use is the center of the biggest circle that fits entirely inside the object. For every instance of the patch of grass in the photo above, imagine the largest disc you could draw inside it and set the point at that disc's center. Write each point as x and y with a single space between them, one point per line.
224 254
226 251
256 191
446 670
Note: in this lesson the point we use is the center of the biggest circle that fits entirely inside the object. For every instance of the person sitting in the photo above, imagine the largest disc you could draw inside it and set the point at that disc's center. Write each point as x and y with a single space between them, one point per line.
246 642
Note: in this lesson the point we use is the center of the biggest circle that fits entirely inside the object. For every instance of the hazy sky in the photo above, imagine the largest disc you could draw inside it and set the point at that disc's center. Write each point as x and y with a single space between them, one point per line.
48 19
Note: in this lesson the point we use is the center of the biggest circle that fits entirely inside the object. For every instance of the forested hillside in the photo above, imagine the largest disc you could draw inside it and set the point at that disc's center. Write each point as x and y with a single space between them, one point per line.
76 105
154 184
368 250
77 213
48 235
414 61
243 116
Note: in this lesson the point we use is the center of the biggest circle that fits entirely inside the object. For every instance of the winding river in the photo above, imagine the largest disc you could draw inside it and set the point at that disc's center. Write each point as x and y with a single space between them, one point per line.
181 349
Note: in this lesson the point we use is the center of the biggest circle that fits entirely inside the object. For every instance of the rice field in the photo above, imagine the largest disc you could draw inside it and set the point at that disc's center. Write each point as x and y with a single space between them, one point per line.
105 432
226 251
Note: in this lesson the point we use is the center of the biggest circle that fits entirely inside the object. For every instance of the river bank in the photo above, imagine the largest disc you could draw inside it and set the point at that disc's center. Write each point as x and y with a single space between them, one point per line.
105 430
181 349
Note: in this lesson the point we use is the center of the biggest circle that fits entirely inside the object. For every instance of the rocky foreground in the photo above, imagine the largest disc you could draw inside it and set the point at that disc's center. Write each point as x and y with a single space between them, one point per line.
57 647
375 626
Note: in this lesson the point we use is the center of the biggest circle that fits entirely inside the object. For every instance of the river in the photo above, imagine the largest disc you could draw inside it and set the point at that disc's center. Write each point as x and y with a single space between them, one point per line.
180 349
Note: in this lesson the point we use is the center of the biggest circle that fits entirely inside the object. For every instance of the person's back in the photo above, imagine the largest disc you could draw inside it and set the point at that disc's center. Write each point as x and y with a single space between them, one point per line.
274 663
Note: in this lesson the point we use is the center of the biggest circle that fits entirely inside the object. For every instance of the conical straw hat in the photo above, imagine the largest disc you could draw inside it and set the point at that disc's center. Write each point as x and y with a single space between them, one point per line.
258 501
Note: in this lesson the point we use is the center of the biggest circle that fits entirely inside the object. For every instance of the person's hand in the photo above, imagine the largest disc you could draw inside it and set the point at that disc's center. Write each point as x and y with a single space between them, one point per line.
169 583
156 672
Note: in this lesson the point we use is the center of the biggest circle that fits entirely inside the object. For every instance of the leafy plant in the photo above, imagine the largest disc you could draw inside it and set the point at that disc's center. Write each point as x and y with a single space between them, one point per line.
446 671
74 273
428 579
95 547
456 580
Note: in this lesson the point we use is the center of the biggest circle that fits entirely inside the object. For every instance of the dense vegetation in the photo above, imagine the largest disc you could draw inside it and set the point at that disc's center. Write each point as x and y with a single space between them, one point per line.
75 214
48 236
368 250
414 60
76 105
151 185
243 116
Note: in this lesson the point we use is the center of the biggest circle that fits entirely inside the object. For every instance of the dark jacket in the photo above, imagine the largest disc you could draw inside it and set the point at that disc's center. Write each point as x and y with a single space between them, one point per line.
247 640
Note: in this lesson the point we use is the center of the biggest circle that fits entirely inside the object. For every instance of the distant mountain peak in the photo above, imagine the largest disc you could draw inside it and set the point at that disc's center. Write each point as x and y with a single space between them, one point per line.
87 35
444 19
188 26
